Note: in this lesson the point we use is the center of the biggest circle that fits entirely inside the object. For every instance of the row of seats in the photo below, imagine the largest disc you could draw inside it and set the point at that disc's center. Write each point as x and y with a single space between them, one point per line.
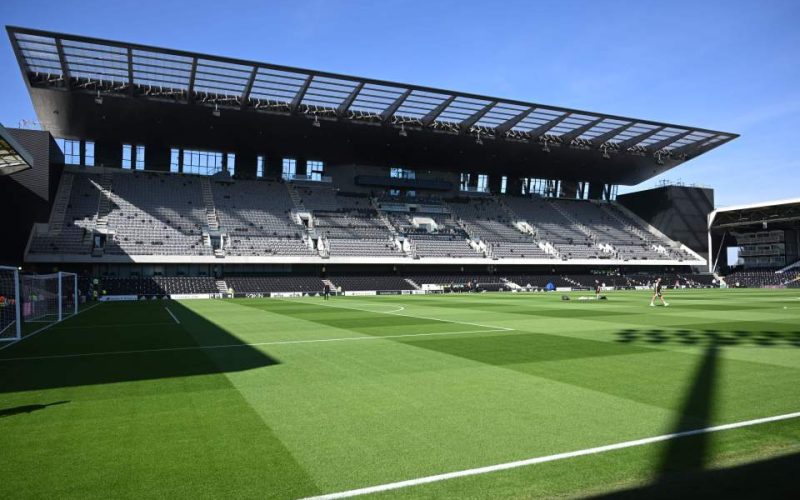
170 214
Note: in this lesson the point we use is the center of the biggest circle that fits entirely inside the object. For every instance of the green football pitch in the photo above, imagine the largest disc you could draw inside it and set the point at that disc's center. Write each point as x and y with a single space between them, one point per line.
292 398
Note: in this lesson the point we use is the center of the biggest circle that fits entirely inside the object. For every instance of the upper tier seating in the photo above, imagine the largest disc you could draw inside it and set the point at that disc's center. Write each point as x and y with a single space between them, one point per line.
486 220
156 214
256 215
79 221
160 214
448 240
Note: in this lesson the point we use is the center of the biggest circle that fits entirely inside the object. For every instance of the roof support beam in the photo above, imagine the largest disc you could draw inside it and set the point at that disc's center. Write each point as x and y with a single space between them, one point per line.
389 112
512 122
192 75
428 119
692 147
475 117
639 138
543 128
607 136
301 93
248 87
130 71
577 132
348 101
656 146
64 66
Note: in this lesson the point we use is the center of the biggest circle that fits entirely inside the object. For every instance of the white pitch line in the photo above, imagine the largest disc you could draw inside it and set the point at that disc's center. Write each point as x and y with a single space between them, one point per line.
48 326
173 316
253 344
549 458
503 328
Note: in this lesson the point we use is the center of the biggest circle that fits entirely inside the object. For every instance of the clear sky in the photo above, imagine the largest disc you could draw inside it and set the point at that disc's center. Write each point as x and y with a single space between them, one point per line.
729 65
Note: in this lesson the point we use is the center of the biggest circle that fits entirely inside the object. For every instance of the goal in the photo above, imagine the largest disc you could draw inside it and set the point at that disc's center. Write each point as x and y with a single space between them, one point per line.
49 297
10 326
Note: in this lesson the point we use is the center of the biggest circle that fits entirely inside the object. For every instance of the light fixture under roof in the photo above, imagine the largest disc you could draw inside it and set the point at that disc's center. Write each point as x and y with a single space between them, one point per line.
216 111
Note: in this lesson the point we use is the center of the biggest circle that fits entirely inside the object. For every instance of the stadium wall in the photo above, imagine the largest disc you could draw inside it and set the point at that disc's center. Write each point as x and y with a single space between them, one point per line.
27 195
680 212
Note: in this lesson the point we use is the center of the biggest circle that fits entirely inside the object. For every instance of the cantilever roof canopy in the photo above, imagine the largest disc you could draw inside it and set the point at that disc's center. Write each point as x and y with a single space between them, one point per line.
13 157
780 213
76 63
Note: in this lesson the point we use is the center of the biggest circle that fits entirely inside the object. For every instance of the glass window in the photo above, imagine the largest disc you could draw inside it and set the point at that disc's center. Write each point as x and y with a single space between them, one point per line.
88 159
503 184
139 157
402 173
174 160
315 170
259 166
289 168
127 152
231 163
201 162
483 182
71 150
465 181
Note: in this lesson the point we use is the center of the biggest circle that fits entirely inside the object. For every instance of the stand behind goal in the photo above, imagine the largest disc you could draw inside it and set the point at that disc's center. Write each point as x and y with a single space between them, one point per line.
10 326
49 297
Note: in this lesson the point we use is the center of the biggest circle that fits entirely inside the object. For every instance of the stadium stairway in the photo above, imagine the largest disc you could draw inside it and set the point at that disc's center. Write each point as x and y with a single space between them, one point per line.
104 207
578 224
222 286
60 205
412 283
208 200
297 200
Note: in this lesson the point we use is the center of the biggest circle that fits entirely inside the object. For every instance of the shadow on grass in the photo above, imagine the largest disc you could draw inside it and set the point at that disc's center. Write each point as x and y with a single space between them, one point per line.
772 478
19 410
682 469
127 342
710 337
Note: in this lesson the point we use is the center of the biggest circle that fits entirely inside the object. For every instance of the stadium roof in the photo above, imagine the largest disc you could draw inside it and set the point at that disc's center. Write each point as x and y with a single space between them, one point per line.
775 213
104 67
13 157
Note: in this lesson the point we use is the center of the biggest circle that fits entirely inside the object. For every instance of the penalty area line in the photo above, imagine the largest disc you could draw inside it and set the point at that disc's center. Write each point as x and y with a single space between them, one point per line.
173 316
549 458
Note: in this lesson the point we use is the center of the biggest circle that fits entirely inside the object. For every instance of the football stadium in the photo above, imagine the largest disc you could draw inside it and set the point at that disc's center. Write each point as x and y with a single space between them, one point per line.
227 278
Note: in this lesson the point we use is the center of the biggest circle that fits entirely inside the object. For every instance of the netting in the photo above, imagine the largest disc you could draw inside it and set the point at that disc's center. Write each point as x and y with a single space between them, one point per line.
48 297
10 327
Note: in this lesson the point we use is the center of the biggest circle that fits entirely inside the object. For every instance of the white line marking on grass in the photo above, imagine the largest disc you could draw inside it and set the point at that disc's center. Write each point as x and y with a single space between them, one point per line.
48 326
228 346
394 313
173 316
549 458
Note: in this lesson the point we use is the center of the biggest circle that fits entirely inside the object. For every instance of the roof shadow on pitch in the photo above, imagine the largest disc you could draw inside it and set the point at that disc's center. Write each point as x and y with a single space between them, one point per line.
681 471
717 337
98 347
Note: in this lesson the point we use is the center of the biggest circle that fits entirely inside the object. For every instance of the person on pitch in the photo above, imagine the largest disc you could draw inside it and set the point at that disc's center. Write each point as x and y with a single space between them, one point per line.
657 292
597 289
327 291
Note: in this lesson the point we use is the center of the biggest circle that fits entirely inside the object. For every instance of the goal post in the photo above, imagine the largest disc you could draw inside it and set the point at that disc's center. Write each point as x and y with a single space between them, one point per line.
10 325
49 297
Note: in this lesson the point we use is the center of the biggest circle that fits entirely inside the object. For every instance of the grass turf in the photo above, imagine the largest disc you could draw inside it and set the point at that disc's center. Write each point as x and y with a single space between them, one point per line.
297 397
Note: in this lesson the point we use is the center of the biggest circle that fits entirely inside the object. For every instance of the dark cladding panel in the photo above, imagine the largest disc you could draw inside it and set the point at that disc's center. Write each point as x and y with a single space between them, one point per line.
680 212
28 193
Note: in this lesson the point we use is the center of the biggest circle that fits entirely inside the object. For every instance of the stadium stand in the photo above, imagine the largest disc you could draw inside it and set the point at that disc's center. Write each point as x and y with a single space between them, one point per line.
274 284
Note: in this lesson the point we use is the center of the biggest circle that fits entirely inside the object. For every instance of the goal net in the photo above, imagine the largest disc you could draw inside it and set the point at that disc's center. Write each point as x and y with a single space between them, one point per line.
10 326
49 297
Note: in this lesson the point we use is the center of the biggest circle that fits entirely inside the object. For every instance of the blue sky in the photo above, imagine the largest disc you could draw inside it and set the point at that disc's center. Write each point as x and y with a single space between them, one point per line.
728 65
